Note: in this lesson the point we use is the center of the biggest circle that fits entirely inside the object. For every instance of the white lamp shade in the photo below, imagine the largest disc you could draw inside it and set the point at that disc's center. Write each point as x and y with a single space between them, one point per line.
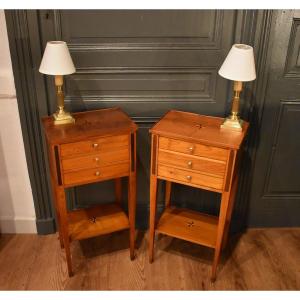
57 59
239 64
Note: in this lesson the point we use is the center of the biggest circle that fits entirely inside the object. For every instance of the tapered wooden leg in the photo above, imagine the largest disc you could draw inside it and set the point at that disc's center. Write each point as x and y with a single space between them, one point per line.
61 201
58 223
132 194
153 191
61 242
68 255
53 186
220 232
118 190
131 211
229 211
168 193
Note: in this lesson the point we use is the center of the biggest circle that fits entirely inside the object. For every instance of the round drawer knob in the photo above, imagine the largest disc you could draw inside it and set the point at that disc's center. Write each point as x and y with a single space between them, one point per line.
190 163
191 149
95 145
97 173
96 158
189 177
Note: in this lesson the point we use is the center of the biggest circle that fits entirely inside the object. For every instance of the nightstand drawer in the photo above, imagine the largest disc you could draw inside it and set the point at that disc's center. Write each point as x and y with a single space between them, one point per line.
188 177
96 174
99 159
94 145
192 162
193 148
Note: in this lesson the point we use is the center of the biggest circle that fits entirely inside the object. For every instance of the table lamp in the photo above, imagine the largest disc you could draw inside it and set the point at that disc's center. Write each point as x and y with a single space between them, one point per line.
57 61
238 66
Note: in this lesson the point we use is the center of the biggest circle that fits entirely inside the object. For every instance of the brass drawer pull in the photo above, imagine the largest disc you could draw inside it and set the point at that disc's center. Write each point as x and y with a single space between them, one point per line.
96 158
97 173
190 163
95 145
191 149
189 177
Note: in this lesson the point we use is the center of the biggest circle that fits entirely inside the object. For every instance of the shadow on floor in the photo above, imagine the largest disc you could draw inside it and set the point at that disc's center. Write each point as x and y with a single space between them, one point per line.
107 244
196 252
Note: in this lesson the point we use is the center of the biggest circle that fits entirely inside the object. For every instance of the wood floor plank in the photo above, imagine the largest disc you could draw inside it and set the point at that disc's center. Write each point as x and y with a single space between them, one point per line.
260 259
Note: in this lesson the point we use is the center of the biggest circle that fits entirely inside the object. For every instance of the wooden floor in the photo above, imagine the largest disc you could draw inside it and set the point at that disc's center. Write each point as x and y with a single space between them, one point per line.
264 259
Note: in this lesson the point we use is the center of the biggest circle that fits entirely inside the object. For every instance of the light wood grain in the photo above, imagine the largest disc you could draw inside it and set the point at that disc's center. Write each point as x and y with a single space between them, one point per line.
153 192
192 162
95 145
260 259
132 195
168 193
98 147
193 148
89 125
189 225
96 174
100 159
194 151
197 128
190 178
102 219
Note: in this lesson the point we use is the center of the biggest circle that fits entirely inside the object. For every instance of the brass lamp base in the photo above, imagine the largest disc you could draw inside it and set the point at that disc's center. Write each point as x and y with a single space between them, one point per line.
63 117
233 124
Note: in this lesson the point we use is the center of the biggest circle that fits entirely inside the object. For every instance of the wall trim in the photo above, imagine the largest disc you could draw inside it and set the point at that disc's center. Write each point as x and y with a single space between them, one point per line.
21 25
17 225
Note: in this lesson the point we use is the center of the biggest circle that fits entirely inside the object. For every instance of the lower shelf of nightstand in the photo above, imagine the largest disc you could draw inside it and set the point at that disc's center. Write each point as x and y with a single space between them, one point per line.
189 225
94 221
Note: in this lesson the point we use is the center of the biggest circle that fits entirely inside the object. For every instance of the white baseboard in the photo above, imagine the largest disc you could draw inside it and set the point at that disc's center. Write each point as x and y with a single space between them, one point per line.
17 225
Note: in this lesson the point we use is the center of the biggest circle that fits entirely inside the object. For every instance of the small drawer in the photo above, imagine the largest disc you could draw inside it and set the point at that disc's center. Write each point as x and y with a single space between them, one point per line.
99 159
96 174
193 148
192 162
94 145
188 177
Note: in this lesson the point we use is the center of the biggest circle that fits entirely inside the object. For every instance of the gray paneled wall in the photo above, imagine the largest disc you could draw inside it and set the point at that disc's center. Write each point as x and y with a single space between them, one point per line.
146 62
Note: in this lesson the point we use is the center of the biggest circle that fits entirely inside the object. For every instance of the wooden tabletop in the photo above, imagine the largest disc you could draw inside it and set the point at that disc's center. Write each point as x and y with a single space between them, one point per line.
103 122
199 128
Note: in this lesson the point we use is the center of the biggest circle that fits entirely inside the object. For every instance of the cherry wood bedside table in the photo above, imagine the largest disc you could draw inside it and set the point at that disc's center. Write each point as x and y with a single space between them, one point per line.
101 145
192 150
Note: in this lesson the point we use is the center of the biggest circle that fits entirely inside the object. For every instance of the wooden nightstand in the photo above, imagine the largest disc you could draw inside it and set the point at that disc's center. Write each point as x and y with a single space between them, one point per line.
191 149
101 145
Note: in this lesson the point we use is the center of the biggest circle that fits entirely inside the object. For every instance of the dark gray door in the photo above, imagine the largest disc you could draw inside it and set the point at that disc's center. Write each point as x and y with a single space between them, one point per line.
275 193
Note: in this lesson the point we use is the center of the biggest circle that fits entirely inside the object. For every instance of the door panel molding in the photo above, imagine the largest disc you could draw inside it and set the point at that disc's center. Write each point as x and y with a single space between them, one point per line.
286 108
65 21
292 66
